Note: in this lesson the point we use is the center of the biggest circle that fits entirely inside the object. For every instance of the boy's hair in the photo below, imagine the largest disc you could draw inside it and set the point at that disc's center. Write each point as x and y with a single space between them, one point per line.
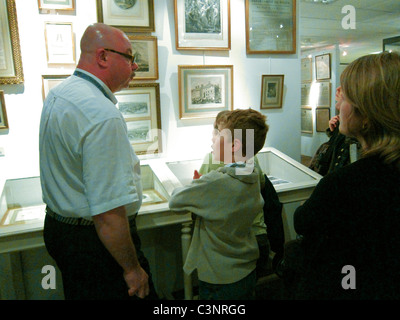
245 119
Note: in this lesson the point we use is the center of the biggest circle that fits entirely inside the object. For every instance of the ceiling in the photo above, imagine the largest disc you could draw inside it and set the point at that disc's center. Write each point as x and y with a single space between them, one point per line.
321 25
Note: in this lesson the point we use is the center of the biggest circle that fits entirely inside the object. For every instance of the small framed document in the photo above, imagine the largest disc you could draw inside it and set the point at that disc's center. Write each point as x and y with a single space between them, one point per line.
323 66
306 70
306 120
322 116
270 26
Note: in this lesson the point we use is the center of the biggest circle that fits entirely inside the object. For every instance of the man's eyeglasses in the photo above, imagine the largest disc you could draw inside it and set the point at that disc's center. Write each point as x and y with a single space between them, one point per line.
131 58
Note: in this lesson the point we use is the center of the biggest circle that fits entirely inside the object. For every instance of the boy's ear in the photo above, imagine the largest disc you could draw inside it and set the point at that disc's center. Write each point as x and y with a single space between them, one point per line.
236 145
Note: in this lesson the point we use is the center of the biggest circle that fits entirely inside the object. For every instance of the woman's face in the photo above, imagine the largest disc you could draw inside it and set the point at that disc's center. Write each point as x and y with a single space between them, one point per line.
351 121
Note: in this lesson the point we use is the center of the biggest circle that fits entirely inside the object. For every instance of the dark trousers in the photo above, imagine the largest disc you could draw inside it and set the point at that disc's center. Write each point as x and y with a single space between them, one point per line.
88 270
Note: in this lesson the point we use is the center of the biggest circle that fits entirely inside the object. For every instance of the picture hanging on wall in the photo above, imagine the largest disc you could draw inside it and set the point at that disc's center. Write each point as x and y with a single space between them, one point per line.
323 66
129 16
202 25
57 4
3 112
324 94
322 117
145 50
204 90
306 120
306 70
51 81
60 43
305 94
140 107
270 26
271 91
10 52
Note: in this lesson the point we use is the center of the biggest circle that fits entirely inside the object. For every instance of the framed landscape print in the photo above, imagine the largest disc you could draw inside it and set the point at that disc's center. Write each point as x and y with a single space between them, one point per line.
3 113
10 52
322 117
323 66
60 43
270 26
145 50
57 4
202 25
127 15
204 90
140 107
271 91
51 81
306 120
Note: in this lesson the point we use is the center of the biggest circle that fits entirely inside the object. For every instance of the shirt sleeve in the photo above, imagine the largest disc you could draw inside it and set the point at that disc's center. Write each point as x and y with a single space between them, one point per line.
108 167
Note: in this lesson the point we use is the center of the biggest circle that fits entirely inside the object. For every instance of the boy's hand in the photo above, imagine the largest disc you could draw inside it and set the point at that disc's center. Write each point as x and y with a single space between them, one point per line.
196 175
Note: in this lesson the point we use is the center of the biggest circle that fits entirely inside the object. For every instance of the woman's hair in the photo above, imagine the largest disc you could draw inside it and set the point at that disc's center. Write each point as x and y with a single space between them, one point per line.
243 119
372 85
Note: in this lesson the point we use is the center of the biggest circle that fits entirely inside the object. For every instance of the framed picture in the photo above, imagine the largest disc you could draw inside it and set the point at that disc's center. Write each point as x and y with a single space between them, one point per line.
60 43
324 94
57 4
202 25
322 117
3 113
140 107
271 91
204 90
145 50
306 120
305 94
306 70
270 26
10 52
323 66
127 15
51 81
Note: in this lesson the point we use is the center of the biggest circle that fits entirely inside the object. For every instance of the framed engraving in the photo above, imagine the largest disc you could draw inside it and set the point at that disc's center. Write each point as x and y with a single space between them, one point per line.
51 81
145 50
10 52
140 107
204 90
322 117
202 25
60 43
3 113
271 91
57 4
323 66
127 15
306 70
270 26
306 120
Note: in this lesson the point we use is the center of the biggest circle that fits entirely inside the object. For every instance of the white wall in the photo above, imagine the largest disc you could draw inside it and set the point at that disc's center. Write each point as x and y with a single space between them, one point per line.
183 139
311 141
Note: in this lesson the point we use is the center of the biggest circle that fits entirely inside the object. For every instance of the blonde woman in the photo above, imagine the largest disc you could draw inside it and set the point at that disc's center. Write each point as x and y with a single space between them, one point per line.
350 224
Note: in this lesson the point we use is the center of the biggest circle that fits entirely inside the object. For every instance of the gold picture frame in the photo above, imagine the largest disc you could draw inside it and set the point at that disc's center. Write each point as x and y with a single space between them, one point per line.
306 120
11 71
140 107
3 112
196 29
322 117
272 91
56 5
145 49
204 90
306 70
270 26
60 43
135 17
323 66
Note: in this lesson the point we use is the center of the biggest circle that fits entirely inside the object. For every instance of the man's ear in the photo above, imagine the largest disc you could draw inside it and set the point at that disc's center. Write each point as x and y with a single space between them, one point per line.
101 57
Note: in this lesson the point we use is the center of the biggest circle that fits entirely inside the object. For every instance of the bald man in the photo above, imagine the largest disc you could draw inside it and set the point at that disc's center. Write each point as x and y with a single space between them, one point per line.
90 175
